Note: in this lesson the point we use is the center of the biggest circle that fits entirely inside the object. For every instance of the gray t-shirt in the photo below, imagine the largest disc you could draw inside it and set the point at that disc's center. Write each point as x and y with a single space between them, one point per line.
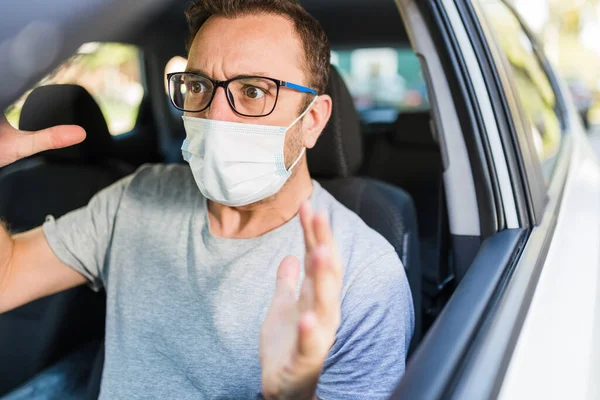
185 308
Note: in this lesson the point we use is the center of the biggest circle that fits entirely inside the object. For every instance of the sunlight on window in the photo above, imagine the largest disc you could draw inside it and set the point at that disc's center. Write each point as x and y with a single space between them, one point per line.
383 81
110 72
175 64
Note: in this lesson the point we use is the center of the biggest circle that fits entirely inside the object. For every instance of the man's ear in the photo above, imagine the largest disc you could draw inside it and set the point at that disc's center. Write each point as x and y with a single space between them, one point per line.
315 120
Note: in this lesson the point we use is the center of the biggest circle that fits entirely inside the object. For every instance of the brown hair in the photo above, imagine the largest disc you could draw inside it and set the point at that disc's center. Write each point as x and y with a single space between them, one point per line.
309 30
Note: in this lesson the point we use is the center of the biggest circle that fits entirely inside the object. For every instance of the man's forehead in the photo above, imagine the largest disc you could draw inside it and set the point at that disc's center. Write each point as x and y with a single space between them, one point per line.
247 45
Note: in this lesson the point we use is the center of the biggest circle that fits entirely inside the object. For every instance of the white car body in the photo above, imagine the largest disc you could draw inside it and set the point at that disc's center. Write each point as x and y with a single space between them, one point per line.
557 355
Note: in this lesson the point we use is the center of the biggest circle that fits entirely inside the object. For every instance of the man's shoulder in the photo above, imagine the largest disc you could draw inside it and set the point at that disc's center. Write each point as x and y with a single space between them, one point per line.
358 243
375 281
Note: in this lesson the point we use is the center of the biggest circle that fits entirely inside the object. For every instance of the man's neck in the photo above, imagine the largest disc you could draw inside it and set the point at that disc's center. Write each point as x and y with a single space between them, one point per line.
259 218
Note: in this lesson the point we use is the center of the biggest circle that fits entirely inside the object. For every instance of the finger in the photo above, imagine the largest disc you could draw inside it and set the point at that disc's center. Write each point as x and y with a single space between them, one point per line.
324 237
29 143
321 229
54 137
62 136
306 218
306 301
314 343
327 287
283 304
278 333
288 275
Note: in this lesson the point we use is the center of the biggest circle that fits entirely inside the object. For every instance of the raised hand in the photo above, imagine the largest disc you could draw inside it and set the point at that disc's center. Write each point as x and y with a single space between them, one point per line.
16 144
298 333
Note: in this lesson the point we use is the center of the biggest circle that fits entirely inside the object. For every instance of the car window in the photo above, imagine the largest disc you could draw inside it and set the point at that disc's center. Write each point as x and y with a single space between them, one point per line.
110 72
382 81
175 64
532 83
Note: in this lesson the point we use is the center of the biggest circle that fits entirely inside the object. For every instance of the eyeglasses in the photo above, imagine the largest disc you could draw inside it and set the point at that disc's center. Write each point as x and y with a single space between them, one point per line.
249 96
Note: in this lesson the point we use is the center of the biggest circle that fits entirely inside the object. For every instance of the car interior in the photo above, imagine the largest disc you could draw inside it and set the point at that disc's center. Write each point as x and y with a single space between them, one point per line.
379 156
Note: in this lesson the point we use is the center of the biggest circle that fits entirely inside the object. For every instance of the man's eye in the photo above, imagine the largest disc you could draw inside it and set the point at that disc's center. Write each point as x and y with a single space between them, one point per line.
253 92
197 87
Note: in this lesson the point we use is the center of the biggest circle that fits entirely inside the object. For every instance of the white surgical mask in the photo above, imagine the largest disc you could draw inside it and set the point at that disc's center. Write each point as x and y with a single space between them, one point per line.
237 164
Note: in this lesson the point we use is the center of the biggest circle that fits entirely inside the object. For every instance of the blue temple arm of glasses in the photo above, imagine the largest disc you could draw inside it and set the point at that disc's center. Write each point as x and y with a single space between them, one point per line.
302 89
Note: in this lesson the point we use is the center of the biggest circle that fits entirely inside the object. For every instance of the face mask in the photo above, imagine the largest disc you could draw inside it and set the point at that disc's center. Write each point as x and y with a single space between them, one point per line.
237 164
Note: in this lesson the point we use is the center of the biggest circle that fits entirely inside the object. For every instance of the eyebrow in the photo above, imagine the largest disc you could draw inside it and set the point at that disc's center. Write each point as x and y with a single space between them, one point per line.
194 71
199 71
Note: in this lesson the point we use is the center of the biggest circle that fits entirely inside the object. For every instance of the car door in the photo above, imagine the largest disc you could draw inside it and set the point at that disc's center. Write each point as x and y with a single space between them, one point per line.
546 182
553 342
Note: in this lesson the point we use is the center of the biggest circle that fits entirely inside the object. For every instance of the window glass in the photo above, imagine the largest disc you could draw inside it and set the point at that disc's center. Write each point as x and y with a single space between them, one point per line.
110 72
175 64
383 81
533 86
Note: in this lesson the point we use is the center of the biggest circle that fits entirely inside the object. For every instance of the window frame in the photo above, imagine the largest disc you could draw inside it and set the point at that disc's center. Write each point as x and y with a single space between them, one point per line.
437 362
483 368
536 185
560 107
467 350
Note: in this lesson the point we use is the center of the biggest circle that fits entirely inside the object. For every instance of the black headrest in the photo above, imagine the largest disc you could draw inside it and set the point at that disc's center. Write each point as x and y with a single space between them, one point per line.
414 129
338 152
52 105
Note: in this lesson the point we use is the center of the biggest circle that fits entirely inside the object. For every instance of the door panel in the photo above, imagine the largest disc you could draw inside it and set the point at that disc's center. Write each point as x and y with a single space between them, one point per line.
432 368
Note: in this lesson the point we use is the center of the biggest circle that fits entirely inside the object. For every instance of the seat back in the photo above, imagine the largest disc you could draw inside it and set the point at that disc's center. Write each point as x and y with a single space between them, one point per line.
389 210
55 182
416 145
408 155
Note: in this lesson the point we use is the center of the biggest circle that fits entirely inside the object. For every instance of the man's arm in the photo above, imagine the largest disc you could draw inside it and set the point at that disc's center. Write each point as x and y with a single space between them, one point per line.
29 269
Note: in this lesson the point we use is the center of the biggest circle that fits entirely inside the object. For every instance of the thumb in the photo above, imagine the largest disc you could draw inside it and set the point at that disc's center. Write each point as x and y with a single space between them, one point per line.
56 137
16 144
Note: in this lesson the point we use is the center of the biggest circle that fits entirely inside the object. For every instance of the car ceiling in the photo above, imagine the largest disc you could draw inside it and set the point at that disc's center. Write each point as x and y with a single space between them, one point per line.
37 35
159 24
348 23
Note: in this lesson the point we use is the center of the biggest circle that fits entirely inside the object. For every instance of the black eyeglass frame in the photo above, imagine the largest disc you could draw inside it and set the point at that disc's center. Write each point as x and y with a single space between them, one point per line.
225 84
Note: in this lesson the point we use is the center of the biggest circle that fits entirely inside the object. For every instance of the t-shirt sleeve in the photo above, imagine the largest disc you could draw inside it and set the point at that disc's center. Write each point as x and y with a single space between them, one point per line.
368 358
82 237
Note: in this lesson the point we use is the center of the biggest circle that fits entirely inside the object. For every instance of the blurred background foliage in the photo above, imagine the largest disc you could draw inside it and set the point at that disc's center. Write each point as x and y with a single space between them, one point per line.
570 33
110 72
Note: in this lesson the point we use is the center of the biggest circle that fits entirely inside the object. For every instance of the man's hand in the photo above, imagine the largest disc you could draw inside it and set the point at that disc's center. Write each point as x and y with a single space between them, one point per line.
298 334
16 144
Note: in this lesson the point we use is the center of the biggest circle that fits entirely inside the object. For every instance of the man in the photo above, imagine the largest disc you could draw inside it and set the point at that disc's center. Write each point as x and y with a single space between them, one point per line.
190 256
